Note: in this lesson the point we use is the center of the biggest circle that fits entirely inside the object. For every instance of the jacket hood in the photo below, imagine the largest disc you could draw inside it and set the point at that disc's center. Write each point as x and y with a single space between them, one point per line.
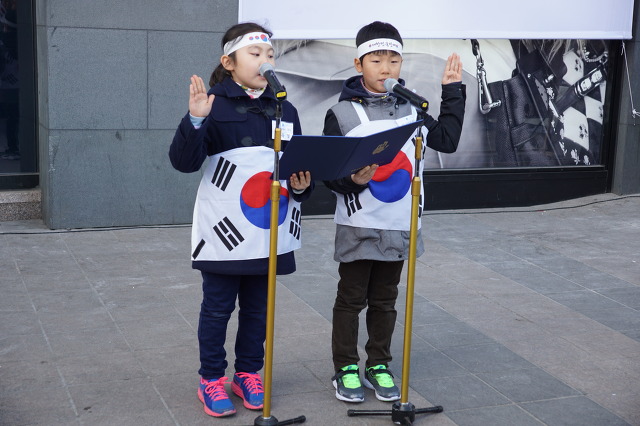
352 88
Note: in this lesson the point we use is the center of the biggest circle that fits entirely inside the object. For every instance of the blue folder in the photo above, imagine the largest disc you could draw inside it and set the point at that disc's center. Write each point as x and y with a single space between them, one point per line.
335 157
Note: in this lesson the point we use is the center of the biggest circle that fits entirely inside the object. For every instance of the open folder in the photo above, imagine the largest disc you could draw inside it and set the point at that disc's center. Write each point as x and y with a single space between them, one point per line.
334 157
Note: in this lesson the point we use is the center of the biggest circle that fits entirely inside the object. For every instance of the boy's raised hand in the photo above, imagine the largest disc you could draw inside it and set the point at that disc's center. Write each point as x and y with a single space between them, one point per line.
199 102
452 70
364 175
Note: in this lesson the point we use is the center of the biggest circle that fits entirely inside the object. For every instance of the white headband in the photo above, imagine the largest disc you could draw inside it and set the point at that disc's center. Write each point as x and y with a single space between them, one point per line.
245 40
379 44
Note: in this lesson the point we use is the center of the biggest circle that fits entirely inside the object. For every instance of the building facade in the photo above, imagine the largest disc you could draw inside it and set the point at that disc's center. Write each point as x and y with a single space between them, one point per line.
103 85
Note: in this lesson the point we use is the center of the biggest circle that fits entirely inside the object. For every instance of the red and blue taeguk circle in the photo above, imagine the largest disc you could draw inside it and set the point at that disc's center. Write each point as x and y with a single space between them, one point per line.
255 202
391 182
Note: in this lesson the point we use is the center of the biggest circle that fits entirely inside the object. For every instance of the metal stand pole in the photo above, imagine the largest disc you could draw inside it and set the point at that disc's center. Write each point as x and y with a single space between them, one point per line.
267 419
403 412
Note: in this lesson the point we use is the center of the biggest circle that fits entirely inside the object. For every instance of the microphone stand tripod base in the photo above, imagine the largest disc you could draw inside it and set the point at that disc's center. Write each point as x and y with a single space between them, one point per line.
402 413
272 421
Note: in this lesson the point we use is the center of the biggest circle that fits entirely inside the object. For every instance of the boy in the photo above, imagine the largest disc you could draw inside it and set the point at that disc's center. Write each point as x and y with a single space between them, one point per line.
372 234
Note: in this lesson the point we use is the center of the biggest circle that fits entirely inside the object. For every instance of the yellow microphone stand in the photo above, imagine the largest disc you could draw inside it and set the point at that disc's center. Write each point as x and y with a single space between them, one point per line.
267 419
403 412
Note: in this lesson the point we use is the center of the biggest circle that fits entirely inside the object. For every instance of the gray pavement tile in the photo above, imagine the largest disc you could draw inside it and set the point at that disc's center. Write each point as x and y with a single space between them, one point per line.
458 393
19 322
498 285
623 268
585 300
180 390
14 381
424 312
418 346
99 368
294 378
456 333
533 277
135 302
38 415
290 322
50 265
570 411
104 339
24 347
633 334
158 332
444 288
486 358
503 415
428 365
171 361
581 274
547 351
308 347
79 321
532 384
629 297
474 311
505 328
120 402
67 302
617 318
69 279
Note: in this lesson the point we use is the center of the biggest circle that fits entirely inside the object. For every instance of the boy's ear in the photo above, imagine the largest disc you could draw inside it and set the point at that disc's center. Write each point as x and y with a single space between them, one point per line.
227 62
357 64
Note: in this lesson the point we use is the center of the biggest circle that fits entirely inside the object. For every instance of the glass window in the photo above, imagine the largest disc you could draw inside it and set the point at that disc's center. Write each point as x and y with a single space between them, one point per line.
17 95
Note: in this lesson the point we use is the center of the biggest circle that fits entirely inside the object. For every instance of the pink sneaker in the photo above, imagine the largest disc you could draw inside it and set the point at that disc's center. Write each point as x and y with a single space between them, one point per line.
248 386
214 397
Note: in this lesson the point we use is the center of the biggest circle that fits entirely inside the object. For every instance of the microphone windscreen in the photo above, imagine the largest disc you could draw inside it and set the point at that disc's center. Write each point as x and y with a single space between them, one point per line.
389 84
265 67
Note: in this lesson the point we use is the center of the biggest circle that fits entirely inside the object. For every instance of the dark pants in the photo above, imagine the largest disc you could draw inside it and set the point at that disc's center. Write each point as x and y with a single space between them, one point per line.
365 283
218 302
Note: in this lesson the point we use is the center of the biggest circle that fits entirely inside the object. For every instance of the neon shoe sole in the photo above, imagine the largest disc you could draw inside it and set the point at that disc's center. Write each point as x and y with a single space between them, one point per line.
344 398
238 391
213 413
369 385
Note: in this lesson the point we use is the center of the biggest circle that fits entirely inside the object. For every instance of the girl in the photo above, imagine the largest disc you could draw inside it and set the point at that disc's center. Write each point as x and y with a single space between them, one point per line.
232 125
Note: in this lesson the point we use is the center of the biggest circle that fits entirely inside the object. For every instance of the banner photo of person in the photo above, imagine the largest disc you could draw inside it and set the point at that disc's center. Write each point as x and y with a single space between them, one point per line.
530 103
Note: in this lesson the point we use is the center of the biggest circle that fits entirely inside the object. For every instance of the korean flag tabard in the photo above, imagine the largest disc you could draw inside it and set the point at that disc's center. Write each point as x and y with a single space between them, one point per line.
231 217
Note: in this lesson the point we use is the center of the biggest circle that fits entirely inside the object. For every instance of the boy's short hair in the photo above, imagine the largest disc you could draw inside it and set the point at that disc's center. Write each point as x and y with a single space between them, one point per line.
377 30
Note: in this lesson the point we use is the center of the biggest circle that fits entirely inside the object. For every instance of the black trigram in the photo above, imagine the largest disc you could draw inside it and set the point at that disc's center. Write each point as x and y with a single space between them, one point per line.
196 252
352 201
228 234
294 225
421 206
224 172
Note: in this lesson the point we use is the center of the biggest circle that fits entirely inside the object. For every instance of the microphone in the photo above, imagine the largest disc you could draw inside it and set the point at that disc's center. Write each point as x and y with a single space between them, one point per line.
267 71
392 85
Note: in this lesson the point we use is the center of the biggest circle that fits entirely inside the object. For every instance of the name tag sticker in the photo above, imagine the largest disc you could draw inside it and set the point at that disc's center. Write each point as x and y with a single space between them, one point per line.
286 130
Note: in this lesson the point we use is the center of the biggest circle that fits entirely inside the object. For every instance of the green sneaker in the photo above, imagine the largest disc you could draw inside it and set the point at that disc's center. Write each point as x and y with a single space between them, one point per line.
347 384
380 379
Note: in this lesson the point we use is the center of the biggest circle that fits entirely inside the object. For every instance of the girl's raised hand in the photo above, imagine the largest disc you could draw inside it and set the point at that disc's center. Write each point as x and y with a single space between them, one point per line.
301 181
452 70
199 102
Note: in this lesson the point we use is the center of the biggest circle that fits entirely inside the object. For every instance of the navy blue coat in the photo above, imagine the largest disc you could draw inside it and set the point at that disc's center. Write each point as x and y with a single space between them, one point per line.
235 121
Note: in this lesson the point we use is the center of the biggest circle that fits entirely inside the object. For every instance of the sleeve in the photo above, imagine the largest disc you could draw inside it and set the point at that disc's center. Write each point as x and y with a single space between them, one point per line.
188 149
444 133
344 185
